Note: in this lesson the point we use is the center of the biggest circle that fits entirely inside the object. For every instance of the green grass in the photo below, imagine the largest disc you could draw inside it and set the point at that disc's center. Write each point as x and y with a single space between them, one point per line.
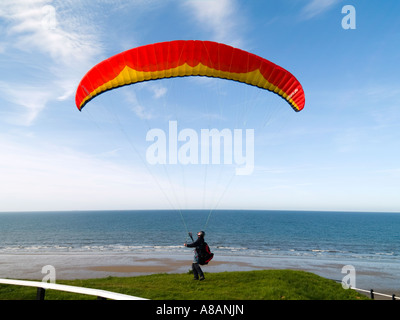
246 285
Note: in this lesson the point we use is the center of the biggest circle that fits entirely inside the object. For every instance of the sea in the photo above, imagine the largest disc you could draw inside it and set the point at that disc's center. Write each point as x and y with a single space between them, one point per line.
326 243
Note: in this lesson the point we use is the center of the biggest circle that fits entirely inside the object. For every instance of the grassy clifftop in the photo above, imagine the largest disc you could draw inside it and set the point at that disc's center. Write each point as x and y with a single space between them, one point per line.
245 285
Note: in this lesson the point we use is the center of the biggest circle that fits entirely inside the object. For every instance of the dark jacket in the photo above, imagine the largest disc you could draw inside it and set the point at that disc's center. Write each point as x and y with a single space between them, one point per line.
197 245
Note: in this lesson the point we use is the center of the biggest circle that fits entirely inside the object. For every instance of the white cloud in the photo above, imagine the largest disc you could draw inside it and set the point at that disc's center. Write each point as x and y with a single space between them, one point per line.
136 106
141 112
316 7
44 40
158 91
220 17
30 98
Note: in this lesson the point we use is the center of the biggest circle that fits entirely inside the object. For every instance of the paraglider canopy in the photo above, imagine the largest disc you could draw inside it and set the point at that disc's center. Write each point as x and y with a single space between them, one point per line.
189 58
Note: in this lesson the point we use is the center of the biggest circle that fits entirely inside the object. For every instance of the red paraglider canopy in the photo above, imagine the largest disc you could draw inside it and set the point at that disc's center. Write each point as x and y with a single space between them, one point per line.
189 58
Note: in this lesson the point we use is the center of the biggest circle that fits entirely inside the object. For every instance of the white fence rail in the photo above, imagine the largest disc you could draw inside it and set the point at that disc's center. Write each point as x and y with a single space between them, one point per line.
42 286
373 293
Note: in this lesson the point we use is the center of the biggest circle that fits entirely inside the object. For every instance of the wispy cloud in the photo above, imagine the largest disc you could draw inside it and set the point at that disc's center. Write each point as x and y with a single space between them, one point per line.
31 99
316 7
141 112
136 106
159 91
220 17
40 29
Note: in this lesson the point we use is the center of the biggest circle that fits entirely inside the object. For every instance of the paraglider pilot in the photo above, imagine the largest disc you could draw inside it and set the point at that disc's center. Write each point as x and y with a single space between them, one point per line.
197 272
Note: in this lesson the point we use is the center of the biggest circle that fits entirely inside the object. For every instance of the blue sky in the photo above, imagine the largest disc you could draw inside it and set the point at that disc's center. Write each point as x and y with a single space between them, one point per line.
340 153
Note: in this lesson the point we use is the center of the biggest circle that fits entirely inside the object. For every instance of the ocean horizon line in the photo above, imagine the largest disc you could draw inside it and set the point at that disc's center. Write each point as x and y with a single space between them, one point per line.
198 209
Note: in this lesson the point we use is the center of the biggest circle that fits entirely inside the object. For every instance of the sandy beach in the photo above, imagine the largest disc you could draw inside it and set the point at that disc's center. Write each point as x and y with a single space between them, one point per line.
156 265
84 266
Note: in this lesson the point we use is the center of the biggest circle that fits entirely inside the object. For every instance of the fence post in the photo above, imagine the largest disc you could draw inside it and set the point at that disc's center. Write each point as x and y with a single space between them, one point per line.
393 296
372 294
40 293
